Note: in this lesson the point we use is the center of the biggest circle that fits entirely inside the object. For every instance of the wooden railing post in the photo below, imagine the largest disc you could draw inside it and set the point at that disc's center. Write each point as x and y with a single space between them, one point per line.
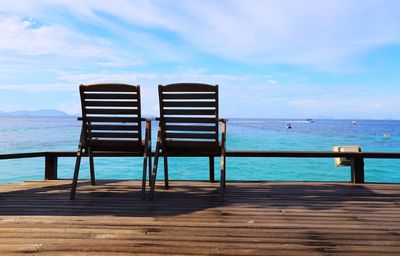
211 162
357 170
50 168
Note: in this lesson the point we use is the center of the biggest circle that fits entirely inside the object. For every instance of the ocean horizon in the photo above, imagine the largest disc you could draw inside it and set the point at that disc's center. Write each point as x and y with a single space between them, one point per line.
34 134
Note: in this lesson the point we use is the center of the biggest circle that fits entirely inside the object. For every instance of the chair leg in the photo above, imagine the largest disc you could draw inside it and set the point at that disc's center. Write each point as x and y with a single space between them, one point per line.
150 166
211 161
76 174
154 173
223 175
145 159
166 172
91 163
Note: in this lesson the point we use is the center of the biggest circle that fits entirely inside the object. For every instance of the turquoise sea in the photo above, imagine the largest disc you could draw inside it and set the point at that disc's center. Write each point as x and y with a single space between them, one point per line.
30 134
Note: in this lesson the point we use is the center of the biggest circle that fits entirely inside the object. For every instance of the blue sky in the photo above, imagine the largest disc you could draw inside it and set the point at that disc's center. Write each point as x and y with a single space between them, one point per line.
273 59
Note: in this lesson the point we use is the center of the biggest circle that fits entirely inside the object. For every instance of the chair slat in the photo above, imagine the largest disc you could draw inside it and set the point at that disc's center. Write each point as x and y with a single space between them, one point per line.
208 104
189 135
115 145
188 120
92 127
112 111
111 96
113 135
110 88
133 104
189 96
192 145
186 87
189 128
205 112
113 119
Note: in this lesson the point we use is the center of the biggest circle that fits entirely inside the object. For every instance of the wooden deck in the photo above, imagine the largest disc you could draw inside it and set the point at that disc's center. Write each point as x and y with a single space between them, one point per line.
37 218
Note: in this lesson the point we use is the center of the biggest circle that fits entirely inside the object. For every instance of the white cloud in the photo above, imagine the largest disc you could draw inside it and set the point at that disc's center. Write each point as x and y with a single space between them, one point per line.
240 96
345 101
323 34
27 38
44 87
153 79
22 36
231 91
311 32
272 82
318 33
100 41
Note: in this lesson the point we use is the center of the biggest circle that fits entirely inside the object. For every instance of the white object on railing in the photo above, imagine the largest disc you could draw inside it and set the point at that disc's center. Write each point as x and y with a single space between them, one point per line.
345 161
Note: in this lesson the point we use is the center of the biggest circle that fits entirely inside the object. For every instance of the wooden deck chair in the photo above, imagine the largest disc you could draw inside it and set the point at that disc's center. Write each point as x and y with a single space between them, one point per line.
111 122
189 126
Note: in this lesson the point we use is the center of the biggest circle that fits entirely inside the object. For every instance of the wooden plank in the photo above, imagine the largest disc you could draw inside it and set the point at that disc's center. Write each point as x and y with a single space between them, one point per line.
122 145
111 96
112 111
98 103
188 87
237 153
188 145
22 155
94 127
138 235
189 104
204 120
113 135
113 119
204 112
169 127
380 154
109 88
190 135
302 154
189 96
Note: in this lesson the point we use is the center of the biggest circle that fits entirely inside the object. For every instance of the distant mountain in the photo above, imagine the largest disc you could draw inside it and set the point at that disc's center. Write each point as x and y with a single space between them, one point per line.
20 113
40 112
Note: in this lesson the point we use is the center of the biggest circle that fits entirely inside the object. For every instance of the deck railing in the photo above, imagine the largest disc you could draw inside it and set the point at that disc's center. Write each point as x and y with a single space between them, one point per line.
357 158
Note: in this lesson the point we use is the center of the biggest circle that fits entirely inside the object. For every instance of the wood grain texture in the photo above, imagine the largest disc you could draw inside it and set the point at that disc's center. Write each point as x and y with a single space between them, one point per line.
255 218
107 87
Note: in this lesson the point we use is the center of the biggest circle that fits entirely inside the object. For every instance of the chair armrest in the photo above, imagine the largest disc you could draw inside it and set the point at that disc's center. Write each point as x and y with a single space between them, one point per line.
223 140
223 130
147 136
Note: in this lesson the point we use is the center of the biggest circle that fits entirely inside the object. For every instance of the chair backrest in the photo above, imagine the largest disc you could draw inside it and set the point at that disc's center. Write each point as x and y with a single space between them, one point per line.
111 117
189 115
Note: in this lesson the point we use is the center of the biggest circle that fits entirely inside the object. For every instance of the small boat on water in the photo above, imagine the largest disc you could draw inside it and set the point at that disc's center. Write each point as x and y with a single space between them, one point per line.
386 135
288 125
354 122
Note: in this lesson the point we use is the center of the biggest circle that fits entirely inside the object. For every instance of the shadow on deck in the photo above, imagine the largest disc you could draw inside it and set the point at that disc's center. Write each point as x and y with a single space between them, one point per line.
258 218
123 198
